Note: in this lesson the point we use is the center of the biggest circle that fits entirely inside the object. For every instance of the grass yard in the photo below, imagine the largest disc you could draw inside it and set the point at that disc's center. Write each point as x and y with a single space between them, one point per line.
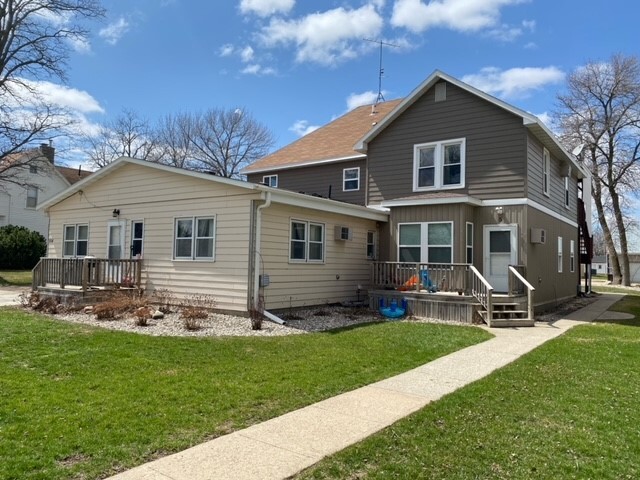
81 402
15 277
567 410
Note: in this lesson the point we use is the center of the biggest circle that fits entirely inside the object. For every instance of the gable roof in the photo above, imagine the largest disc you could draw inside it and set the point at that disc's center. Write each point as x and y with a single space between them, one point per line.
35 154
72 175
332 142
531 122
277 195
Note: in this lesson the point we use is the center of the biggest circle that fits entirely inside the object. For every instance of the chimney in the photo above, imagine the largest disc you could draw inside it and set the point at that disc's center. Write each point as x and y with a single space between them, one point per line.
48 151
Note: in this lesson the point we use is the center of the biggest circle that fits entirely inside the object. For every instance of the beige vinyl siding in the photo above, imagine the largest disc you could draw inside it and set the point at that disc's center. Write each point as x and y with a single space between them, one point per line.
299 284
459 214
318 179
555 200
495 146
157 198
542 260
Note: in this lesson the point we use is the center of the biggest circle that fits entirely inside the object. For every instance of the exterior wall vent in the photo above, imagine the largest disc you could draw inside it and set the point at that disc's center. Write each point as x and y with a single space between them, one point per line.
538 235
441 92
343 233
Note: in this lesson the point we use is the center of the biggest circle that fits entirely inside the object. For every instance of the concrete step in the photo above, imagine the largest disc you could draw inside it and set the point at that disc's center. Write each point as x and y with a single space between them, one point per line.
512 322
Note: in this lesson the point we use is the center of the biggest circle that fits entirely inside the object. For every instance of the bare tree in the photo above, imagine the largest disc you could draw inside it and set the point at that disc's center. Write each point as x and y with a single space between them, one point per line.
601 110
128 135
36 37
224 141
174 133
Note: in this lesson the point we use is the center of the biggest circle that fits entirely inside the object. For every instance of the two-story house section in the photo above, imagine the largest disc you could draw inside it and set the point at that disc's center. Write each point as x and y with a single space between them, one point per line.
39 180
466 179
324 162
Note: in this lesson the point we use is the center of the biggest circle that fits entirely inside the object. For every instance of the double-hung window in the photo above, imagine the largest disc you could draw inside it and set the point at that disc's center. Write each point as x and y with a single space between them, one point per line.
425 242
566 192
306 242
32 197
572 256
270 180
559 254
469 242
439 165
546 171
75 240
351 179
194 238
371 245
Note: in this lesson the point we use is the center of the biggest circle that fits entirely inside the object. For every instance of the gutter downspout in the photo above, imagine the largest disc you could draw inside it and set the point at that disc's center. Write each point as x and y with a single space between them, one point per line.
256 263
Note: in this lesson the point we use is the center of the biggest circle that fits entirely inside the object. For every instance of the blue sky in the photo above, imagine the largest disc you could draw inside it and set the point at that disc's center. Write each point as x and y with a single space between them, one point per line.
298 64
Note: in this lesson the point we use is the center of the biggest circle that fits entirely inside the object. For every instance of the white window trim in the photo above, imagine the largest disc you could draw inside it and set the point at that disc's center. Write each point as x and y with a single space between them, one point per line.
194 238
31 188
546 172
266 179
345 179
75 239
560 259
567 200
133 222
572 256
469 241
307 224
439 164
373 245
424 239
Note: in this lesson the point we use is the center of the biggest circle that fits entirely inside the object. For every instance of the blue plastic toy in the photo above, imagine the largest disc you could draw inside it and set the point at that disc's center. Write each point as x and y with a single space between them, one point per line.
393 310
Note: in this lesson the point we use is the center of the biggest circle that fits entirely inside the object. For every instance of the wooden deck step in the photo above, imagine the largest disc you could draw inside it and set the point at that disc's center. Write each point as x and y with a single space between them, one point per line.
512 322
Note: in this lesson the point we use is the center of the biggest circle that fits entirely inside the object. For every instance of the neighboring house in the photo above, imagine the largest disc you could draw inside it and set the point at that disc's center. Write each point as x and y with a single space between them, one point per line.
195 233
600 264
634 267
41 180
466 178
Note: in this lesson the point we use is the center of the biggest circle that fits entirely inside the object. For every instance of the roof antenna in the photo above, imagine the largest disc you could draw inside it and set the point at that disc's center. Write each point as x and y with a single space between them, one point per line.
380 97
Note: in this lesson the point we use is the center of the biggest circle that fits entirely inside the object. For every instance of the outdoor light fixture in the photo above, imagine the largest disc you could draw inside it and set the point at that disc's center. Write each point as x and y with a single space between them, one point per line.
116 213
500 213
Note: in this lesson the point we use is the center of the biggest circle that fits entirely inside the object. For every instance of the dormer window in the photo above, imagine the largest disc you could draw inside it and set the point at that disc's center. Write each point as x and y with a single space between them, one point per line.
439 165
270 180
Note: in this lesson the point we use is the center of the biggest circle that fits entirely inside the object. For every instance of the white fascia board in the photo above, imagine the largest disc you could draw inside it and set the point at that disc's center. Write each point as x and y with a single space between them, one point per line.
309 163
120 162
432 201
325 205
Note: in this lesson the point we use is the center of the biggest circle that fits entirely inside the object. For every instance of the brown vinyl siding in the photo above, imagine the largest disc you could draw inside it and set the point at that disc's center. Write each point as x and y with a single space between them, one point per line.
318 179
555 200
495 146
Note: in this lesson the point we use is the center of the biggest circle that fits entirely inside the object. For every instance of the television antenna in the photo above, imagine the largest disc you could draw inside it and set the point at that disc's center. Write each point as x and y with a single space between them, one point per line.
380 97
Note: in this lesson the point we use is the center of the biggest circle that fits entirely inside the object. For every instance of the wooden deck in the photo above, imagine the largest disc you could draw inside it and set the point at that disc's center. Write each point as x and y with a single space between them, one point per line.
87 273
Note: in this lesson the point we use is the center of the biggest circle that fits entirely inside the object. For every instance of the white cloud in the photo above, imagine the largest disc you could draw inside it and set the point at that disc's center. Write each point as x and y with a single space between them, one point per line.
79 44
246 54
328 37
529 25
531 45
460 15
257 69
545 118
515 82
505 33
266 8
226 50
36 92
302 128
113 32
358 99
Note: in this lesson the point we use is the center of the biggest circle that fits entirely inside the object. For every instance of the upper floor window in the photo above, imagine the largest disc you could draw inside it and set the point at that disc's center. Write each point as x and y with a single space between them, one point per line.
546 171
270 180
75 240
559 254
194 238
306 242
32 197
351 179
439 165
566 192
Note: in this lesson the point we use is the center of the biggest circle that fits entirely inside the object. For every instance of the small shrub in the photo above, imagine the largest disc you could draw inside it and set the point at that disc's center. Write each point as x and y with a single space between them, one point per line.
142 316
164 298
196 313
39 303
20 248
118 305
196 307
191 323
256 314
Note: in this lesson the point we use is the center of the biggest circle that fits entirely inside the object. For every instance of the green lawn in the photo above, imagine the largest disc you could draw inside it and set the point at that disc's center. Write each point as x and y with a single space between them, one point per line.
15 277
82 402
567 410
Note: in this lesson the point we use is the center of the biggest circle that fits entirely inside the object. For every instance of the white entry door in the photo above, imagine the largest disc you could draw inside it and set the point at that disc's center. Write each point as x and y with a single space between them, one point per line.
500 251
115 250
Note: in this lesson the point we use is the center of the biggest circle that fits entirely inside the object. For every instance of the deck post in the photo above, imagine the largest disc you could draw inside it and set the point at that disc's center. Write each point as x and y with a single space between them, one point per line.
62 273
85 274
418 280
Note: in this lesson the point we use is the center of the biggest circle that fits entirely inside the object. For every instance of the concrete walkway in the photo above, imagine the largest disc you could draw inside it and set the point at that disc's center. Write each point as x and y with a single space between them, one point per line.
281 447
9 295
